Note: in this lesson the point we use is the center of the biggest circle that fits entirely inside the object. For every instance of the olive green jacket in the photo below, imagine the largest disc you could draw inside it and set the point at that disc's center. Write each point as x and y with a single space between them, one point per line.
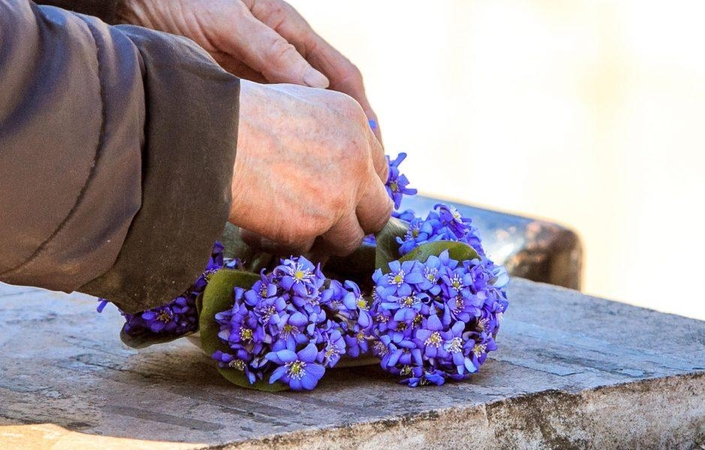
117 146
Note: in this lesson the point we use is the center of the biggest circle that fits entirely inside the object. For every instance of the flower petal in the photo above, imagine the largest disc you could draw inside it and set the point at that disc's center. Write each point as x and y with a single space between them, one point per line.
277 374
308 354
282 356
434 323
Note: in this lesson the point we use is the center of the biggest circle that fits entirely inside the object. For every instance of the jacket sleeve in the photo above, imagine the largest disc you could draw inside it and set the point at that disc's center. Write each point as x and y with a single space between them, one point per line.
117 147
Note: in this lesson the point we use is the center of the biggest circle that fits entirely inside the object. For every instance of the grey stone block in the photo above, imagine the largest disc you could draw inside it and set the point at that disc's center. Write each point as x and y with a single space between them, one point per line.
572 371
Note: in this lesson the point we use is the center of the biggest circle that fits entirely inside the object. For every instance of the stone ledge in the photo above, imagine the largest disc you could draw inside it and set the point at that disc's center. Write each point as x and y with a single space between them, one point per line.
572 372
621 416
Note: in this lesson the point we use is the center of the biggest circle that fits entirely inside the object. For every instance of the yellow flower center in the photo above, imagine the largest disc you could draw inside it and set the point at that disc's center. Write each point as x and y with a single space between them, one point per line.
434 339
479 349
289 330
296 369
455 345
237 364
409 301
245 334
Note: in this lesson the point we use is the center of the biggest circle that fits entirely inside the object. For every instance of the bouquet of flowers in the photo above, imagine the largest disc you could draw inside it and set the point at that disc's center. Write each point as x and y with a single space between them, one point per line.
421 298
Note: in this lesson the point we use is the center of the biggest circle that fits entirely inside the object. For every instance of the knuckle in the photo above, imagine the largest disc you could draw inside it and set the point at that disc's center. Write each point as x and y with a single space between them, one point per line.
279 50
291 235
310 227
276 14
381 220
352 72
240 9
348 239
292 239
349 245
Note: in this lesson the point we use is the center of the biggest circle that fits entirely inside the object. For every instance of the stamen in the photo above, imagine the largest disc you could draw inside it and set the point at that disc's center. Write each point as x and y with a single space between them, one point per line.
296 369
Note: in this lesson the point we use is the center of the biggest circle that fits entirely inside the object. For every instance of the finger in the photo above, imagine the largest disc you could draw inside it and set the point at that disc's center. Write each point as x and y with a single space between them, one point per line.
267 52
343 75
238 68
343 238
379 160
267 245
375 207
374 125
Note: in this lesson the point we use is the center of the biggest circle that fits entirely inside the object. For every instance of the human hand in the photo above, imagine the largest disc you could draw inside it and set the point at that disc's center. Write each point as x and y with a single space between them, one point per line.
309 173
259 40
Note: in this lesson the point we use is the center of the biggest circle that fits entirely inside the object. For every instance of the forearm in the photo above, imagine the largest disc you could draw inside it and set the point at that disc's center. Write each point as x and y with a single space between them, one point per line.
117 148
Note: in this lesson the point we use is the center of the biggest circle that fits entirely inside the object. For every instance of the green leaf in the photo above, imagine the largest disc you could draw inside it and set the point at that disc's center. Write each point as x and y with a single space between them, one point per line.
254 260
458 251
218 297
387 245
199 304
142 338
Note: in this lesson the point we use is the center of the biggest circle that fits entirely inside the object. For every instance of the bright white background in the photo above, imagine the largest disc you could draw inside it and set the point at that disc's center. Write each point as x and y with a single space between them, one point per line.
590 113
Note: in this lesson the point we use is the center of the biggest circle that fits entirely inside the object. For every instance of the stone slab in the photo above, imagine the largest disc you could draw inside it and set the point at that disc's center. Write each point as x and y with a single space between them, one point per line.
572 371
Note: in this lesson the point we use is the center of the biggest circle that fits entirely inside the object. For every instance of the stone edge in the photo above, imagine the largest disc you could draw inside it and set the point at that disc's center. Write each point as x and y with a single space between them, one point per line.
664 412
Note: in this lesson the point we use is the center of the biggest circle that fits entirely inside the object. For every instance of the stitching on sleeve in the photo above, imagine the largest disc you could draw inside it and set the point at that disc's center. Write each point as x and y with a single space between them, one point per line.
99 150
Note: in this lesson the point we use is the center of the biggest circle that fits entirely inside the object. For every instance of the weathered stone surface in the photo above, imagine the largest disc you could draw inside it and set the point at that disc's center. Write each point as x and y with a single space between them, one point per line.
572 372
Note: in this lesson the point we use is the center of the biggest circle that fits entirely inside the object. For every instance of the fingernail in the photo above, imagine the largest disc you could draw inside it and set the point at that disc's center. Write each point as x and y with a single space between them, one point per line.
314 78
373 124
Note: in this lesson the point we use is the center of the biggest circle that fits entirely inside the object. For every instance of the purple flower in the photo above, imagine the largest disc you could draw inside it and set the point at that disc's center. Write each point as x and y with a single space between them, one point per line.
299 275
237 362
397 182
292 310
406 215
436 377
176 318
444 223
436 320
299 370
334 349
477 346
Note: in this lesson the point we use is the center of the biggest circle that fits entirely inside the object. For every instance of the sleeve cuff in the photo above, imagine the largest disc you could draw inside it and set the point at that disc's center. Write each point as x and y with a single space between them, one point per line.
187 166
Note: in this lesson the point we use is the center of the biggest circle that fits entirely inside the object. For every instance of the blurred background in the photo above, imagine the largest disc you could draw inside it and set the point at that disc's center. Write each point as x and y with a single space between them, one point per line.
589 113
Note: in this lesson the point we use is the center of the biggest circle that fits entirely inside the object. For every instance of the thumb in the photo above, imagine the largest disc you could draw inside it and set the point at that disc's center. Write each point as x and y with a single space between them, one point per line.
268 53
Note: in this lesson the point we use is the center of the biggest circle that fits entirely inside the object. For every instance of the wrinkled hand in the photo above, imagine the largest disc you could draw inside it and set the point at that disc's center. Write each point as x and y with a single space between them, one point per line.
308 171
259 40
